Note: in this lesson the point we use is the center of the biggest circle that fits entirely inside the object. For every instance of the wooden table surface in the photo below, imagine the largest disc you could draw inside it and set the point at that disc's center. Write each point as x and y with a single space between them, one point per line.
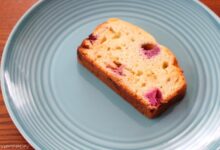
10 12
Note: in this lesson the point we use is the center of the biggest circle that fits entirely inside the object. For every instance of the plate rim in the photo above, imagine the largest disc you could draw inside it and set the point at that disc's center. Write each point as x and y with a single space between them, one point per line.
3 88
6 49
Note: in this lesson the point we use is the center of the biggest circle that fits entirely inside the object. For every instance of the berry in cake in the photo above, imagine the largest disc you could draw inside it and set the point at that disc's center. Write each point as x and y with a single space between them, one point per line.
132 63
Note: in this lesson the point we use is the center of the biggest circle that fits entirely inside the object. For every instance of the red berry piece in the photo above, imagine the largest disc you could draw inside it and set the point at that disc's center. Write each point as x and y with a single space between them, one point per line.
154 96
92 38
150 50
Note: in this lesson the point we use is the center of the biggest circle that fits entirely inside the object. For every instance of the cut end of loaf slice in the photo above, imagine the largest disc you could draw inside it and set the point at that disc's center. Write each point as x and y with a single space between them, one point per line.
134 65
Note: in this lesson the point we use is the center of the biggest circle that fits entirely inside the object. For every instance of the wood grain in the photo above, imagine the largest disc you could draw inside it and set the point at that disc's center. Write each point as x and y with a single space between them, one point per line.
10 12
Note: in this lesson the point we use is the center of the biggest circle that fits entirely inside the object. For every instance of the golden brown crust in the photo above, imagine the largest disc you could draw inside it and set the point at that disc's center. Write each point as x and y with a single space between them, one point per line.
124 92
100 50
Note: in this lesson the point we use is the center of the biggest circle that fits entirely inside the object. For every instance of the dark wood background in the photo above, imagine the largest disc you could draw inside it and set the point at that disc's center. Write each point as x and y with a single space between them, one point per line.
10 12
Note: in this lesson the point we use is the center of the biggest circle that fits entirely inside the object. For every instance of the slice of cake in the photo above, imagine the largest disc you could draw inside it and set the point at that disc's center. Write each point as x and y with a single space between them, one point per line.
132 63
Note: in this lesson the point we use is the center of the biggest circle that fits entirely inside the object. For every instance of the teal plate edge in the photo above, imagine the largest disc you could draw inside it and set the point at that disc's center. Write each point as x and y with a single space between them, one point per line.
10 40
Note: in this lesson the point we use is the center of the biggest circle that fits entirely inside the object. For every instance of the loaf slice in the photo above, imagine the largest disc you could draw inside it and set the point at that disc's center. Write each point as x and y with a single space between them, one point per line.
132 63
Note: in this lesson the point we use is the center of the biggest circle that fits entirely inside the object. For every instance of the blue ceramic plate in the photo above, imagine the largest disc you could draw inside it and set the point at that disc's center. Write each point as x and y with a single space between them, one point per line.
57 104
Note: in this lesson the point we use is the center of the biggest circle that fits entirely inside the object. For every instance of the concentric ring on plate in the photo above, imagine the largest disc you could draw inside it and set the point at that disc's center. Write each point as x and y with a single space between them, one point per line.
29 65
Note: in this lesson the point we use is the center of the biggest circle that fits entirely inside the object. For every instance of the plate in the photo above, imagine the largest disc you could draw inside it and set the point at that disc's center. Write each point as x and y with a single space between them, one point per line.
57 104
